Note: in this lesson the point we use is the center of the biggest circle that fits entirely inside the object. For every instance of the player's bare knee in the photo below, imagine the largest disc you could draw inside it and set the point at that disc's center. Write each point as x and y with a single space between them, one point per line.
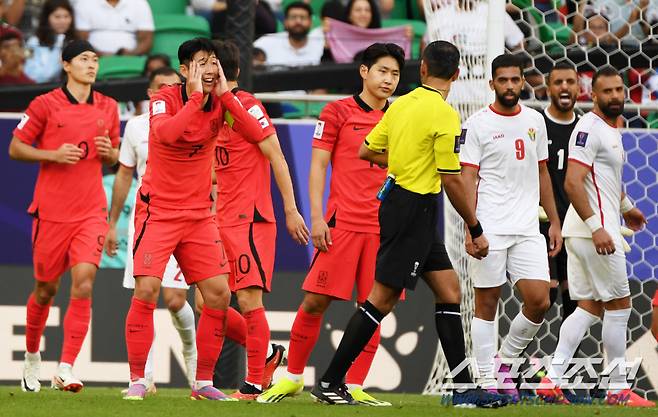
82 289
315 303
45 291
249 298
175 303
146 291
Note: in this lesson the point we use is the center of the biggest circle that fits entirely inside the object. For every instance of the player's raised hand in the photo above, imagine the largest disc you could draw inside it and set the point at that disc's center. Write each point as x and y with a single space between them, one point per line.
635 219
555 240
194 78
321 235
297 228
68 154
111 241
103 145
603 242
222 84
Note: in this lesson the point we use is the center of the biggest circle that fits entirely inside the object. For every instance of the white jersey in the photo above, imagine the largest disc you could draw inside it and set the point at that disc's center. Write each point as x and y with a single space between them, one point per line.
135 144
598 146
507 150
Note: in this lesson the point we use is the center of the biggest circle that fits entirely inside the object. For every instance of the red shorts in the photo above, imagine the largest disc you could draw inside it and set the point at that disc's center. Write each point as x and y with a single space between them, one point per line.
250 249
655 299
350 259
57 246
190 235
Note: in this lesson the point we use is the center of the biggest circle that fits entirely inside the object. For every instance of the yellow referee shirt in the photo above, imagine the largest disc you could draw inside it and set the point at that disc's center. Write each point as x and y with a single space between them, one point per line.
421 132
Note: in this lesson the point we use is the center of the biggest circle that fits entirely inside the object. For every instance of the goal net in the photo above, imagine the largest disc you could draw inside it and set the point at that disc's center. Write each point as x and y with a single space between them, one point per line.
476 27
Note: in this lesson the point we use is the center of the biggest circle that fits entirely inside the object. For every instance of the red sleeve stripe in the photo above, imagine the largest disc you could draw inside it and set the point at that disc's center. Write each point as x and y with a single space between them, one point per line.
466 164
580 162
543 161
598 195
126 166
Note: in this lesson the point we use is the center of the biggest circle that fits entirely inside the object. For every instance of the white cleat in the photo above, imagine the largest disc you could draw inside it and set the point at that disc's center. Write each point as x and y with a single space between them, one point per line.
65 381
190 366
31 368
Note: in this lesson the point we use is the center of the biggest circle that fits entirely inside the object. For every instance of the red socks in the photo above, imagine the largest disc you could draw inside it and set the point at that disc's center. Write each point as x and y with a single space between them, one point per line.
303 336
209 341
236 327
76 324
139 335
361 366
37 315
258 337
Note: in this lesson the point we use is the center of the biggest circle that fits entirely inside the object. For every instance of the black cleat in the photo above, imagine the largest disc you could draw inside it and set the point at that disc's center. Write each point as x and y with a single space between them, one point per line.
333 395
478 397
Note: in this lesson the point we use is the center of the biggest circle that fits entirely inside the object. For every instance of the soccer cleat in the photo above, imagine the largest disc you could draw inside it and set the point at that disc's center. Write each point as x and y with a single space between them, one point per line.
553 394
333 395
512 393
627 398
274 361
65 381
246 393
478 397
136 392
210 393
150 389
364 398
190 366
285 387
31 368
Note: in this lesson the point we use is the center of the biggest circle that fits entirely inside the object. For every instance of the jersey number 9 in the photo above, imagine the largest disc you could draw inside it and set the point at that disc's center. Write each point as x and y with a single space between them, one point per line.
520 149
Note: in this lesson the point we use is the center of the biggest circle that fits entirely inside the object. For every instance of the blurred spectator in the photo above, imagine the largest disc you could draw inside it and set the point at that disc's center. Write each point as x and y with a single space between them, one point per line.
597 32
215 11
625 17
298 45
363 14
154 62
331 9
258 58
116 27
23 14
386 7
346 40
56 27
12 57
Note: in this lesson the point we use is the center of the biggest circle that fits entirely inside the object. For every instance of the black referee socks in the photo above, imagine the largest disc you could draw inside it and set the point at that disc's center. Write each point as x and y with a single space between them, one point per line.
359 331
448 320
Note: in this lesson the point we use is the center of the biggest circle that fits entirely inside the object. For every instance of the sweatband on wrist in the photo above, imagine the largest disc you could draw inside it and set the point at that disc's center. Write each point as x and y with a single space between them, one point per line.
626 205
475 231
594 223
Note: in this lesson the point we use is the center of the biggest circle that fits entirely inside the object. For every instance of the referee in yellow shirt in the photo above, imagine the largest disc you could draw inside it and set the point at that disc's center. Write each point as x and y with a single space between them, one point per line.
418 139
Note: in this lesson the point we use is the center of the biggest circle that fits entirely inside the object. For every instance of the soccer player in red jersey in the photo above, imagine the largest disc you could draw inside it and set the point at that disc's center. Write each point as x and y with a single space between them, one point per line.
71 131
346 236
245 216
173 211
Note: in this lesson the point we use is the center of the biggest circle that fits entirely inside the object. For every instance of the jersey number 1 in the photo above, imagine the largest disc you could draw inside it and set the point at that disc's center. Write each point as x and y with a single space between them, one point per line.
520 149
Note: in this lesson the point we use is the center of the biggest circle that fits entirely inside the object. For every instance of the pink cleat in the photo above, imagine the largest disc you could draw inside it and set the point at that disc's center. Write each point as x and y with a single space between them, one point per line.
136 392
210 393
512 393
553 394
627 398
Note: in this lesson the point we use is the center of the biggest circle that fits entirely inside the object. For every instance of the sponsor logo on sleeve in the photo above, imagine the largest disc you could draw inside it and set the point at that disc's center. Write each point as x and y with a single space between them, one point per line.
158 107
23 121
256 112
581 138
319 129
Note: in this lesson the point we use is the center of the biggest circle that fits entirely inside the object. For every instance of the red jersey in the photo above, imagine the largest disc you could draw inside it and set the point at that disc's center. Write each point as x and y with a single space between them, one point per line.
182 139
69 193
243 172
341 129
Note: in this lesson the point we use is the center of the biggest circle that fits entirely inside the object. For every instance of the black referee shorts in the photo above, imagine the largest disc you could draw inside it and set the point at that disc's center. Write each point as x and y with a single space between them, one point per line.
557 265
409 243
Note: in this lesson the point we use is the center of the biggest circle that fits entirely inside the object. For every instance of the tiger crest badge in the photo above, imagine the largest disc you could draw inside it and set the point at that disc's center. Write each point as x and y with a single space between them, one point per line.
532 134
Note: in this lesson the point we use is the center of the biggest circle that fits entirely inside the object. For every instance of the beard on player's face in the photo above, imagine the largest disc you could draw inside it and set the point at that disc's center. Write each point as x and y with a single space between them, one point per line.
612 108
564 101
508 98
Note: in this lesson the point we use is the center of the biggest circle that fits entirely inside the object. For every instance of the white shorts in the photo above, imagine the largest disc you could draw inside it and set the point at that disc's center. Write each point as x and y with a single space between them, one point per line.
593 276
173 276
513 256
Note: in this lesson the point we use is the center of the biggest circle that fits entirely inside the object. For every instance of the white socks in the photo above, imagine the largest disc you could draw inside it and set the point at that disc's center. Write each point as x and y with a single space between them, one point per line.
484 348
148 366
572 331
200 384
183 321
294 378
521 333
613 334
270 350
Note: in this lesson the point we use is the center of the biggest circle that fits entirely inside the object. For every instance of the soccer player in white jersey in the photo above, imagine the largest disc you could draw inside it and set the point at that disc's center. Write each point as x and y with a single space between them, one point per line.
596 261
132 155
505 147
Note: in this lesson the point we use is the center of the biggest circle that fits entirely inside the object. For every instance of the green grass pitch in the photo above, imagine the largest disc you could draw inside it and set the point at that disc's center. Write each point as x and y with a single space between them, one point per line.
94 401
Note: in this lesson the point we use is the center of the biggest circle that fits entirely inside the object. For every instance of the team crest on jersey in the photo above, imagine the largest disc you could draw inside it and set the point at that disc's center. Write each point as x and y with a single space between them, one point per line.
158 107
581 138
532 134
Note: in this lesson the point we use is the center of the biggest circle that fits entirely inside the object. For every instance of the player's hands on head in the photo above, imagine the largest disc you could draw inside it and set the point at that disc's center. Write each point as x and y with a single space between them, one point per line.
194 83
320 235
635 219
603 242
111 241
103 145
222 84
68 154
297 228
555 240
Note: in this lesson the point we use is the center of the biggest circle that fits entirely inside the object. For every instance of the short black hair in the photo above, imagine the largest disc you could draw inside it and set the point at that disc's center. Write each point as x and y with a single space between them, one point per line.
298 5
379 50
606 71
228 54
506 61
162 71
442 59
155 57
333 9
562 64
190 47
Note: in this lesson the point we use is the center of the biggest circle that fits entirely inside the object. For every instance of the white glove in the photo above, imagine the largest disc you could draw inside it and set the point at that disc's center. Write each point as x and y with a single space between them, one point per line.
543 217
626 232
